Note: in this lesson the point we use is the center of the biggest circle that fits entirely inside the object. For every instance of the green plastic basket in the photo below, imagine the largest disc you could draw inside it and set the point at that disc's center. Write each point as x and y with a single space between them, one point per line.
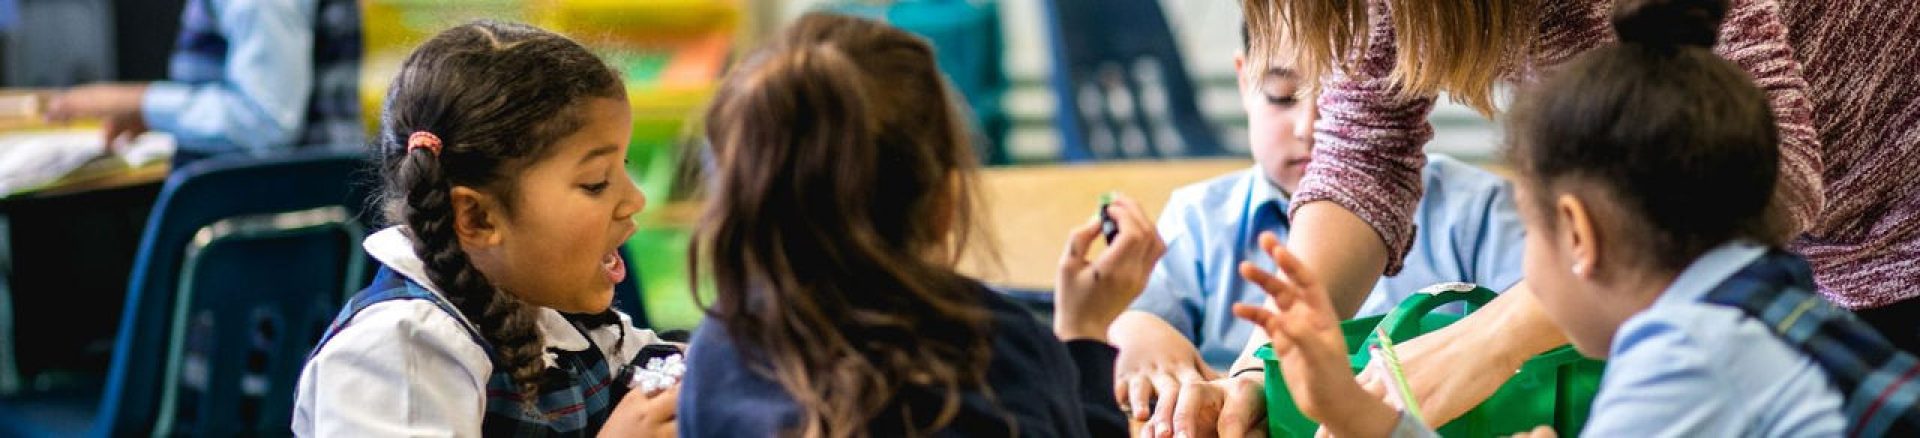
1554 389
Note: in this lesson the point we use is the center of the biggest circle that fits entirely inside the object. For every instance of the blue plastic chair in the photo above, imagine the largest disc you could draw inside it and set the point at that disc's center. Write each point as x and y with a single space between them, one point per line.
965 35
243 263
1120 88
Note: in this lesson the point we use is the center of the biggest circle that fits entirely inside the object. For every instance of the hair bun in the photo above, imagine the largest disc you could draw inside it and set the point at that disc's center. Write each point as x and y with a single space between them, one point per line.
1669 23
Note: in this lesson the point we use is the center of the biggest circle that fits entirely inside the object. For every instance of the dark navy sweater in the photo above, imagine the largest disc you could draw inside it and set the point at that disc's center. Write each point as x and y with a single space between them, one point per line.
1046 387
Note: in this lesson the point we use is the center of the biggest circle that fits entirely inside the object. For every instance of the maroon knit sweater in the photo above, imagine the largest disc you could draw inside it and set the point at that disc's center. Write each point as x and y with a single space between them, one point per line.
1849 123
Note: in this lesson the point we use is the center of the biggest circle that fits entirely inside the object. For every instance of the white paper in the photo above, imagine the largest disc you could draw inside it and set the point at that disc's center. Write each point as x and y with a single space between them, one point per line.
31 159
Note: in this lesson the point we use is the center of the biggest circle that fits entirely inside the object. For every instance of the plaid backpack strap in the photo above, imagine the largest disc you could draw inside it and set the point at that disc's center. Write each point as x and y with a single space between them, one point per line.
1880 383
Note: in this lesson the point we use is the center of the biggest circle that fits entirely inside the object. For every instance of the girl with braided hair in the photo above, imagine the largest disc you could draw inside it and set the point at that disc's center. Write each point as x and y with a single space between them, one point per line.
500 153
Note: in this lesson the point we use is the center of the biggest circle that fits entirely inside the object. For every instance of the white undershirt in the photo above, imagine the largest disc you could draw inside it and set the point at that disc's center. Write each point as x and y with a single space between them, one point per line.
407 368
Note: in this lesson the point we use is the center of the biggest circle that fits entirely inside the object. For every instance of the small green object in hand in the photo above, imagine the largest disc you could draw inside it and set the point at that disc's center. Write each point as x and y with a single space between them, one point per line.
1399 378
1108 227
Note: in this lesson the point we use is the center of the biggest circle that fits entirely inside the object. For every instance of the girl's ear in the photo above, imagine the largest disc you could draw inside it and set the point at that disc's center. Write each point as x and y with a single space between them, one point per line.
1579 235
477 219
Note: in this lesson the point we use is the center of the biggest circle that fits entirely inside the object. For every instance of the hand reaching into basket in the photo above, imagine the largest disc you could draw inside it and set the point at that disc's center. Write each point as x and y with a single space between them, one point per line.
1312 353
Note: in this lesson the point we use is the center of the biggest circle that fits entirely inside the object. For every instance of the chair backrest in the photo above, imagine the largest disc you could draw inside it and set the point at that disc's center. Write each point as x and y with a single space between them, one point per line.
966 40
243 262
1120 88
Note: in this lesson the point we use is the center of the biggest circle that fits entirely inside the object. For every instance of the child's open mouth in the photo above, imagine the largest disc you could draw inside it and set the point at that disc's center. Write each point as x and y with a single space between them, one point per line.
615 267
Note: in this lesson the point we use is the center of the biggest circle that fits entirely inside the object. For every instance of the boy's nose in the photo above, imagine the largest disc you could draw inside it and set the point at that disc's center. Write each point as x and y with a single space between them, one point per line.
1303 127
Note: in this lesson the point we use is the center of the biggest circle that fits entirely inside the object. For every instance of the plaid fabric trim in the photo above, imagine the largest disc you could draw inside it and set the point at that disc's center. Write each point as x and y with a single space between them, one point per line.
577 397
1881 383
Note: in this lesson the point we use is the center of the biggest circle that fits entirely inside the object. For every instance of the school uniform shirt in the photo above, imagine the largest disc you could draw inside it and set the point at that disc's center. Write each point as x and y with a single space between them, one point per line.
1469 231
411 368
254 76
1686 367
1045 387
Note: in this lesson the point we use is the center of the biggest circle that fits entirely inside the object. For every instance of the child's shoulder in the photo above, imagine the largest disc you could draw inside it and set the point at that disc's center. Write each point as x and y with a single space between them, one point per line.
1446 171
1216 203
409 320
1706 367
394 321
1720 342
1214 192
1685 325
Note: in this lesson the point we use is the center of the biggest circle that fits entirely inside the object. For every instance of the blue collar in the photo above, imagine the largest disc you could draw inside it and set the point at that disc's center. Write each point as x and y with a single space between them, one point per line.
1709 270
1260 192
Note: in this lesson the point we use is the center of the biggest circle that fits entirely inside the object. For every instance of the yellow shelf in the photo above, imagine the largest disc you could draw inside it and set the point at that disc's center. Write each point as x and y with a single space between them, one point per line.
644 19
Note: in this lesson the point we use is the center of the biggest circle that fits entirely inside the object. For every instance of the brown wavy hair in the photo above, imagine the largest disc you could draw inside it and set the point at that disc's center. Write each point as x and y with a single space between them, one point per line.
496 94
841 202
1456 46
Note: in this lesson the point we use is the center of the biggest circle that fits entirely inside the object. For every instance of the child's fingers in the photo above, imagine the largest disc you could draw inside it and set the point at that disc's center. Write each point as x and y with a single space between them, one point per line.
1243 411
1269 321
1277 290
1141 397
1379 387
1122 387
58 108
1129 216
1372 380
1302 279
1166 390
1380 390
663 405
1270 242
1134 227
1289 265
1135 236
1079 241
1200 404
1538 432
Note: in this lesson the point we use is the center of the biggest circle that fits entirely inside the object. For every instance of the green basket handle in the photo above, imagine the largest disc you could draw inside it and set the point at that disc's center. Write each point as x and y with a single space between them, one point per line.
1403 322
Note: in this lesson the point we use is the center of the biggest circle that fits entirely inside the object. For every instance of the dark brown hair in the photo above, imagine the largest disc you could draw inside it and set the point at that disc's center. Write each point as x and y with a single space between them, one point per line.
1680 139
496 94
841 201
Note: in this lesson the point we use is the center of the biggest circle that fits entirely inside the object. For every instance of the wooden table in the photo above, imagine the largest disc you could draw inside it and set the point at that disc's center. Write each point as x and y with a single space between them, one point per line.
152 173
1030 209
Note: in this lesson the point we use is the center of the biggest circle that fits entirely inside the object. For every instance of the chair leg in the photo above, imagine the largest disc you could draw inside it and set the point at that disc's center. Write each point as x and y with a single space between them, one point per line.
9 365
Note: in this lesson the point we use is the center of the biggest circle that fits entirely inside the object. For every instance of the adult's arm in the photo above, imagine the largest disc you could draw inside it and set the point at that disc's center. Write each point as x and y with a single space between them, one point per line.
1754 37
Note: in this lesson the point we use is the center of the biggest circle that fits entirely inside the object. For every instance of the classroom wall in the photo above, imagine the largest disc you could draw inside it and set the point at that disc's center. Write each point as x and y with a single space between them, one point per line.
1208 34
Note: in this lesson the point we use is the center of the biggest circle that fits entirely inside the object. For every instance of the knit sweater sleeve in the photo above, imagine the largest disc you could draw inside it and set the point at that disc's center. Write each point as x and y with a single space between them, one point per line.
1754 37
1368 144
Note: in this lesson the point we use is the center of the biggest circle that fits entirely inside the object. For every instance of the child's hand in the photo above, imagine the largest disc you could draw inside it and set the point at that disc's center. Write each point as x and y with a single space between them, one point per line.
1537 432
117 105
1154 362
1313 355
1088 295
644 415
1228 407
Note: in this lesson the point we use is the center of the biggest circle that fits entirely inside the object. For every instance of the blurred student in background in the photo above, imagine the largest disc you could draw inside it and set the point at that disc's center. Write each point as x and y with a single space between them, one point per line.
246 76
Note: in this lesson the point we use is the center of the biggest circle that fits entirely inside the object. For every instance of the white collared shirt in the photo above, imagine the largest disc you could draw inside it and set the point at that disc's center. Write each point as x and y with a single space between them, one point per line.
407 368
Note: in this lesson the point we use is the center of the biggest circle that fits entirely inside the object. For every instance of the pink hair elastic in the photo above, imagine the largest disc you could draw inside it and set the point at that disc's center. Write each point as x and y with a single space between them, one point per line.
424 140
